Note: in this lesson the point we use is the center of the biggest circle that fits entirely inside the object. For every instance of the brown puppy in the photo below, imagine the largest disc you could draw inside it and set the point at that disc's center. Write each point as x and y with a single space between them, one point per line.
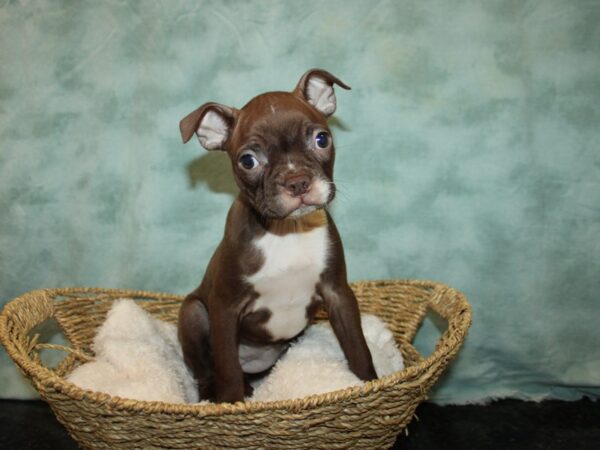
281 257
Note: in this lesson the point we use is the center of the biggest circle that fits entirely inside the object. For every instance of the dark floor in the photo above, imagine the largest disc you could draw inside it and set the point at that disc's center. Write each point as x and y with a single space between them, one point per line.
506 424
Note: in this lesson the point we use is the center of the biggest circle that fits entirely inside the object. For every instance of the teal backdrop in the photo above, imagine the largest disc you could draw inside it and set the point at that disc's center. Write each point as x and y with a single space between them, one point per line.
468 153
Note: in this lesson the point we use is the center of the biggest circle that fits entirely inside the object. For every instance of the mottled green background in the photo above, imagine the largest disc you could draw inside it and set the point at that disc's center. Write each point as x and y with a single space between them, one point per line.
468 152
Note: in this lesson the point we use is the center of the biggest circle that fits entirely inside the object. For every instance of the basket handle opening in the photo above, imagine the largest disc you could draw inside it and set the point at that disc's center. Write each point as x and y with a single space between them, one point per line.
49 335
450 305
429 333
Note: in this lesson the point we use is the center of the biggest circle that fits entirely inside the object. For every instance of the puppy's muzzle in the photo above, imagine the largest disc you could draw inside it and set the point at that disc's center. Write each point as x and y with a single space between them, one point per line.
298 185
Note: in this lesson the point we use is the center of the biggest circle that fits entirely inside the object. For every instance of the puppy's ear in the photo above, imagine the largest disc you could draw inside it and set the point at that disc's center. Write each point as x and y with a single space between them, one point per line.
316 87
212 123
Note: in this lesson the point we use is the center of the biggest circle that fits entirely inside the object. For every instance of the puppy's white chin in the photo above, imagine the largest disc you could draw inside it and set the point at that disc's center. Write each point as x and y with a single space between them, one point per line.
302 211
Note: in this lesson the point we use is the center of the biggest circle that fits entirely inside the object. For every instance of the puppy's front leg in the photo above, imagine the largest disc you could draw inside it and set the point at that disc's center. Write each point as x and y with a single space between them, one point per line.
229 378
344 316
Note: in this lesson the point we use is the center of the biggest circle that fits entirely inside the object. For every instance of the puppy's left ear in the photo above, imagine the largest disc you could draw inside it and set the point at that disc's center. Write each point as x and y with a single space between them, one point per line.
316 87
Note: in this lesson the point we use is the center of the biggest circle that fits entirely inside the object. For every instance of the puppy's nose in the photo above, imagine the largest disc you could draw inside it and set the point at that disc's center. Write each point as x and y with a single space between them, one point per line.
297 185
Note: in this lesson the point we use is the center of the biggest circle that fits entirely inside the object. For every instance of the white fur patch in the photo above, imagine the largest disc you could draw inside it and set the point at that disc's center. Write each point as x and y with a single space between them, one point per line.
321 95
319 192
212 131
286 281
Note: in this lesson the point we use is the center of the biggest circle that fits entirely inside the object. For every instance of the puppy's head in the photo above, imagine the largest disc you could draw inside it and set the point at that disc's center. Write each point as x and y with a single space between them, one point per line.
280 146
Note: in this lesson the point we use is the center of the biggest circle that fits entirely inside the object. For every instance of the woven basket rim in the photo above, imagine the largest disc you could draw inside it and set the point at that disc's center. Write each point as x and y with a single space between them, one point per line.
43 375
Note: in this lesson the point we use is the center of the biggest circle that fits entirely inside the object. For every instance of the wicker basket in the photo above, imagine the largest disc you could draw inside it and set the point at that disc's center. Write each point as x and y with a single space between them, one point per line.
370 416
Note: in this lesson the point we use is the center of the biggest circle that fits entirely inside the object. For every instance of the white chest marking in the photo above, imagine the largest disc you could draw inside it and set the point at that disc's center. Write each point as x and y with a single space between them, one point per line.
286 281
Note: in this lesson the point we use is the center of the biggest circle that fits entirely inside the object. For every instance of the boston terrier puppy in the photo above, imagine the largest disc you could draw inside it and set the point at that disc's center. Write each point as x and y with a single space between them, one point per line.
281 257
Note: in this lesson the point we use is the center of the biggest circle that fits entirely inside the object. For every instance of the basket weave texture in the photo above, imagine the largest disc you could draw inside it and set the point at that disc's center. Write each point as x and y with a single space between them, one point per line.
370 416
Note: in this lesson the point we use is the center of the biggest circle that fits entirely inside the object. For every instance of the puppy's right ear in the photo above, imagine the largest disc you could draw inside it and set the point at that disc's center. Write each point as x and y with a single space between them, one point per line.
212 123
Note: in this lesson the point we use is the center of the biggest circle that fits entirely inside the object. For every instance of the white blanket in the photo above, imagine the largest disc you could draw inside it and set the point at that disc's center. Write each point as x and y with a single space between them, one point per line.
139 357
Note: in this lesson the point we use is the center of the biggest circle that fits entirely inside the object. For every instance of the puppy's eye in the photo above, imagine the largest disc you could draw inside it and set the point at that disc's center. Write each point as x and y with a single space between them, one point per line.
322 140
248 161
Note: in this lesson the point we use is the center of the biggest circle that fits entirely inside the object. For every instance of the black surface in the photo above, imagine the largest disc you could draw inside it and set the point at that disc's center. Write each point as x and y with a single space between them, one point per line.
506 424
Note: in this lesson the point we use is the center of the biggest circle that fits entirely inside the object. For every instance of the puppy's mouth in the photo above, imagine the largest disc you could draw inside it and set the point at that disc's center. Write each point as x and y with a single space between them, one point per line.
305 208
318 196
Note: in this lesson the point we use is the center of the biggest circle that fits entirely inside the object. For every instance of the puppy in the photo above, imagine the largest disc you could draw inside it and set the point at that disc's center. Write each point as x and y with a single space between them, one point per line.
281 257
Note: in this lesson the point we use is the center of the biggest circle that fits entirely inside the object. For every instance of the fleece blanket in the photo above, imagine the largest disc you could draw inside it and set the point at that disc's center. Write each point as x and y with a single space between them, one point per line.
139 357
